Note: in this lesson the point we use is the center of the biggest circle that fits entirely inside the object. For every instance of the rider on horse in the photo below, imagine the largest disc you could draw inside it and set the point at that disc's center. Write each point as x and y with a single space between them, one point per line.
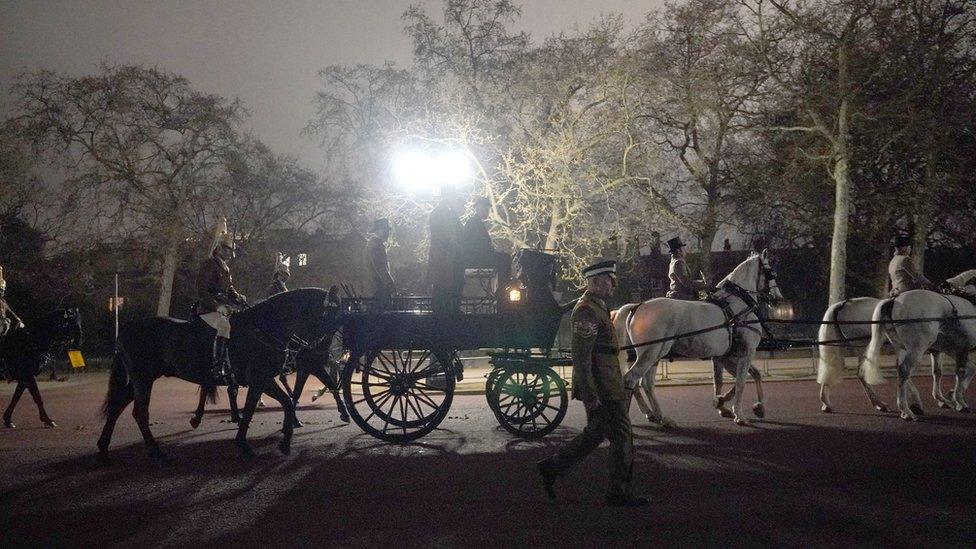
281 275
683 286
218 298
902 275
8 318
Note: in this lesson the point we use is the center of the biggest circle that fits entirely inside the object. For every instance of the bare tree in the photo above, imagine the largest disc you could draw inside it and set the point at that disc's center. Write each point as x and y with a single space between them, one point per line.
137 144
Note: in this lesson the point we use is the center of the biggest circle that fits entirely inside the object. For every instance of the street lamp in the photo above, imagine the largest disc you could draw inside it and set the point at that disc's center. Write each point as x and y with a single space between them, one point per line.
420 171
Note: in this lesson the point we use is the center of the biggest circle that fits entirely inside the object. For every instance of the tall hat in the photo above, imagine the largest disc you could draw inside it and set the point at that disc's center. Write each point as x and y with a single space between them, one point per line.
602 267
3 283
222 236
675 244
901 240
282 264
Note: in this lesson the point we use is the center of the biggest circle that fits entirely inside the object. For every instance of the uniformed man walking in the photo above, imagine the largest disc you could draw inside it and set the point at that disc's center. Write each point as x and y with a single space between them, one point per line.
282 272
902 275
597 381
8 318
217 297
683 286
378 264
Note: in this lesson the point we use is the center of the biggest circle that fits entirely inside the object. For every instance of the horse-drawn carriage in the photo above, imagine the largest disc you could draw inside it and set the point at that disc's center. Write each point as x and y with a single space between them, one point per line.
403 363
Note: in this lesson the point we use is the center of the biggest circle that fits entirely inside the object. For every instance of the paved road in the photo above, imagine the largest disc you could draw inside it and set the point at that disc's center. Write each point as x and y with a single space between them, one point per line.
798 478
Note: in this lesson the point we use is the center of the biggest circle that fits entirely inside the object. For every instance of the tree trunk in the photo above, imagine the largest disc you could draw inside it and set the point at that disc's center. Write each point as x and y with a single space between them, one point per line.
842 184
170 254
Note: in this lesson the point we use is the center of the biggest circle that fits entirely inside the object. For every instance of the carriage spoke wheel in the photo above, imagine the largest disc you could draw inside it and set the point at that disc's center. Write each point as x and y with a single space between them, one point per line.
490 383
399 395
529 403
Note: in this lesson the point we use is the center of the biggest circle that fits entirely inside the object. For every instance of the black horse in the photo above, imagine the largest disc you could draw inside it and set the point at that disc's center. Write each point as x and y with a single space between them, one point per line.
308 361
154 347
23 352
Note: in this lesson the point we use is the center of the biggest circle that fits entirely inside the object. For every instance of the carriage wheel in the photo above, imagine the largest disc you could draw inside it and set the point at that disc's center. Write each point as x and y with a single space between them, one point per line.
338 355
490 383
529 403
400 395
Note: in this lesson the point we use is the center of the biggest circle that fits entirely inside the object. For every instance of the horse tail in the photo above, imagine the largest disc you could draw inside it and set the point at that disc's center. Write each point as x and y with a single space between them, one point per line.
830 366
621 319
117 380
872 356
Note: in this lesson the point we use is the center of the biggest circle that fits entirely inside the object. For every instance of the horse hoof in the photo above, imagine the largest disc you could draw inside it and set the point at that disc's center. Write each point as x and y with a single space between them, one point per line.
314 398
943 404
882 408
759 410
194 422
9 424
49 424
908 416
261 404
726 413
962 409
668 423
743 422
826 409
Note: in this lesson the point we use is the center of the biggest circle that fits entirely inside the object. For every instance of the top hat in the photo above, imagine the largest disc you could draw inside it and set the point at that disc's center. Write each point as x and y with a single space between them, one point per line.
675 244
901 240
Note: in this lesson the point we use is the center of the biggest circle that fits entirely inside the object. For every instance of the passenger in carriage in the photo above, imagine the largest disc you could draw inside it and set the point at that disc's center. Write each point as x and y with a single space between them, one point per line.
683 286
477 246
963 284
8 318
281 275
445 264
378 264
902 275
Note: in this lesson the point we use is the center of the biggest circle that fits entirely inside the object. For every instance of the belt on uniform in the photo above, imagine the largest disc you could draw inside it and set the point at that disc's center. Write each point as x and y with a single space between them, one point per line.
605 349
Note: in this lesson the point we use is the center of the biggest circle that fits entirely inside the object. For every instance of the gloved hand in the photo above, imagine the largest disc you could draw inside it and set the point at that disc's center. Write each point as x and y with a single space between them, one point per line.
20 324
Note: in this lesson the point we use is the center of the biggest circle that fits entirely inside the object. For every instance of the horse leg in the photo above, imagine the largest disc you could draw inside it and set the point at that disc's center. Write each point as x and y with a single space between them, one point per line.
719 400
905 363
742 368
915 399
937 394
964 374
301 376
117 401
876 401
250 403
142 392
642 404
758 408
648 387
235 416
8 413
290 421
333 387
36 395
198 413
284 383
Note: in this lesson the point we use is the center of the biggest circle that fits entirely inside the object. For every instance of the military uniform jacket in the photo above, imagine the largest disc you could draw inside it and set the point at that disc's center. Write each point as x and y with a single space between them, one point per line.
215 286
683 286
5 313
596 369
378 265
903 277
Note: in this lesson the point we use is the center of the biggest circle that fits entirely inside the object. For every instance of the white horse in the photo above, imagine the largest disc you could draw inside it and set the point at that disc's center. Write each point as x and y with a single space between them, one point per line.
830 368
911 339
640 394
672 325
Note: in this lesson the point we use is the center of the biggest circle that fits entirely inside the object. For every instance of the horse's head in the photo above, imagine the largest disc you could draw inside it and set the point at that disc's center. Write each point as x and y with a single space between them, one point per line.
767 286
308 313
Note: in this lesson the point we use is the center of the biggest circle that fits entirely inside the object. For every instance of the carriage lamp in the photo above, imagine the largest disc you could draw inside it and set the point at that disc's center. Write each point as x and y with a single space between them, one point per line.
514 292
420 171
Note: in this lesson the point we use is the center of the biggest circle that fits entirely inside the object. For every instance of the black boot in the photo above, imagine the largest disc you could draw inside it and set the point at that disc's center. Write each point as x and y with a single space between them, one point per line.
221 363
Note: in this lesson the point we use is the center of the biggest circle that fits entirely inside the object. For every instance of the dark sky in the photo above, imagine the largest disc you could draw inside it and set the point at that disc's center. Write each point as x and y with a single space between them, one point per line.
266 52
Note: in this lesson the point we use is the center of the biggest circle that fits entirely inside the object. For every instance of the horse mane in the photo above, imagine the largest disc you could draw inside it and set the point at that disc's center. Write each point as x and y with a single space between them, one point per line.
741 276
290 299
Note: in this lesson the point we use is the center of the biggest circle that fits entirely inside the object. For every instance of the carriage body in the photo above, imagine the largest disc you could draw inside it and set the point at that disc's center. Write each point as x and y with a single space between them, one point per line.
403 363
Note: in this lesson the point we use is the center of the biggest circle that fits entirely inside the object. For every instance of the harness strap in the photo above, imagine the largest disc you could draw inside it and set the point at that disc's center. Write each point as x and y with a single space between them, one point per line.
837 317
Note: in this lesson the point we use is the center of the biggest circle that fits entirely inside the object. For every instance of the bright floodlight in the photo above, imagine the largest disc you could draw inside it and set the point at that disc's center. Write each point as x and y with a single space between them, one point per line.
418 171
